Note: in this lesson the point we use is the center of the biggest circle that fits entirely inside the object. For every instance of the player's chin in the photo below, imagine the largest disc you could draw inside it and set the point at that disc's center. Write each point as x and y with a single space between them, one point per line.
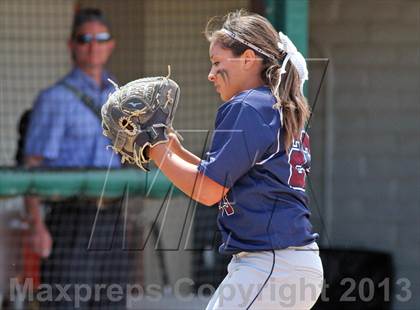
224 97
217 89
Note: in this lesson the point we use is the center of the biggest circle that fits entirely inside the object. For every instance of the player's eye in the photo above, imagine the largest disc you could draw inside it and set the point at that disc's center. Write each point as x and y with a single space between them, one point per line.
216 63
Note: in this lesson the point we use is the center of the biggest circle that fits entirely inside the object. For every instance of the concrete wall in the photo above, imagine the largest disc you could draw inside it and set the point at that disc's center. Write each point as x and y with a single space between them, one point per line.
366 131
33 51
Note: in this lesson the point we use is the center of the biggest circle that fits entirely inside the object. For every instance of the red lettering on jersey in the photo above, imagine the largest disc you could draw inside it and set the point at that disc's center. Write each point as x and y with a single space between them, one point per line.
226 207
299 161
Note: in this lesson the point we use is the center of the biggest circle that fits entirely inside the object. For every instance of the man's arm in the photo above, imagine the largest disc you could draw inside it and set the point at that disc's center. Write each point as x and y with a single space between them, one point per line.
39 237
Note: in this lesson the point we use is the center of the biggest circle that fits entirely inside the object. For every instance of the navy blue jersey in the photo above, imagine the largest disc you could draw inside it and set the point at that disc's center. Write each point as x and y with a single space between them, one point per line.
266 206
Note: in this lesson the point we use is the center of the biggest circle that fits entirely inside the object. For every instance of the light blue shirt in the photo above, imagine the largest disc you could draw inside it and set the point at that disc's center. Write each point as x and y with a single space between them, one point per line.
64 131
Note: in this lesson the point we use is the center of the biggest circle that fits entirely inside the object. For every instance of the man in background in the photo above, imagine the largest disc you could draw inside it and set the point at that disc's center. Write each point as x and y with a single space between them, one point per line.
65 132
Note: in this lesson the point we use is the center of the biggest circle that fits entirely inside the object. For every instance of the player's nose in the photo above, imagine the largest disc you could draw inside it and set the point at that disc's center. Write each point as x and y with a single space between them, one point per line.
211 77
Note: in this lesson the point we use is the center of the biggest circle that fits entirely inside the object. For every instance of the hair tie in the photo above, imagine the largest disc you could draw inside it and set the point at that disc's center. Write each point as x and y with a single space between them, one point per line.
286 45
245 42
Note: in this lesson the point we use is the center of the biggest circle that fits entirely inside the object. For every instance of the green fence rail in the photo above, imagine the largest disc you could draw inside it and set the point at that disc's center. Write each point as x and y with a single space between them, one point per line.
88 183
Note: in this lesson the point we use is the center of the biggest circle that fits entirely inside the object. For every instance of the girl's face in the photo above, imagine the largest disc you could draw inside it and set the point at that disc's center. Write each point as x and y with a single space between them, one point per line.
226 71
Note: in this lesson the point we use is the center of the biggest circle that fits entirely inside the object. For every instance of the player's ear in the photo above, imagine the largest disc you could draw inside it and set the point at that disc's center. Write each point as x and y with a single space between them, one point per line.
249 58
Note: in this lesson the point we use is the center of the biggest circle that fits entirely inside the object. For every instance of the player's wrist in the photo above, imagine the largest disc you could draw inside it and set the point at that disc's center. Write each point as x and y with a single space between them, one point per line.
157 152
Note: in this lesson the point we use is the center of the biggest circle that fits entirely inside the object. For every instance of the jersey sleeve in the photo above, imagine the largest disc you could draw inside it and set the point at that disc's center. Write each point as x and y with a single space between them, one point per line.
46 126
240 139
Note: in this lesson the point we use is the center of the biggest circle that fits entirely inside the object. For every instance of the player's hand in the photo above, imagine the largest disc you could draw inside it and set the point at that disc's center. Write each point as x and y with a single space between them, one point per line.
174 144
40 239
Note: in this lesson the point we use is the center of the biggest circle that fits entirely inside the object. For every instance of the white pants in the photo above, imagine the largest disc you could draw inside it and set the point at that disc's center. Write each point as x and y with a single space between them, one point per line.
295 281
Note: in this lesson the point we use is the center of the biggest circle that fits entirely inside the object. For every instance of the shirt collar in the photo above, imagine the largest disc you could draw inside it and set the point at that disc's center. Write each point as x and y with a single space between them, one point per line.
81 77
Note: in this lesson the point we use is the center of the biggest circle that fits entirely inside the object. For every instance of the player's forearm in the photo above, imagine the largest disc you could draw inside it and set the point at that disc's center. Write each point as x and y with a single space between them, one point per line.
188 156
186 177
175 146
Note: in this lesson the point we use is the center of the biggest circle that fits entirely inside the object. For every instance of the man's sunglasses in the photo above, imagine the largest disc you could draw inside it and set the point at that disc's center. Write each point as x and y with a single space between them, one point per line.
88 37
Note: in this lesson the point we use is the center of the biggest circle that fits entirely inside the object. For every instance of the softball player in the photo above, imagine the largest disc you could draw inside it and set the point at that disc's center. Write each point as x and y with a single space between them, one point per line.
256 167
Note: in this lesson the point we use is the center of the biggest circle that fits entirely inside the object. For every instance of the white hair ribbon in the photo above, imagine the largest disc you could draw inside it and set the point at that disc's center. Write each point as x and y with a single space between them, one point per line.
294 56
